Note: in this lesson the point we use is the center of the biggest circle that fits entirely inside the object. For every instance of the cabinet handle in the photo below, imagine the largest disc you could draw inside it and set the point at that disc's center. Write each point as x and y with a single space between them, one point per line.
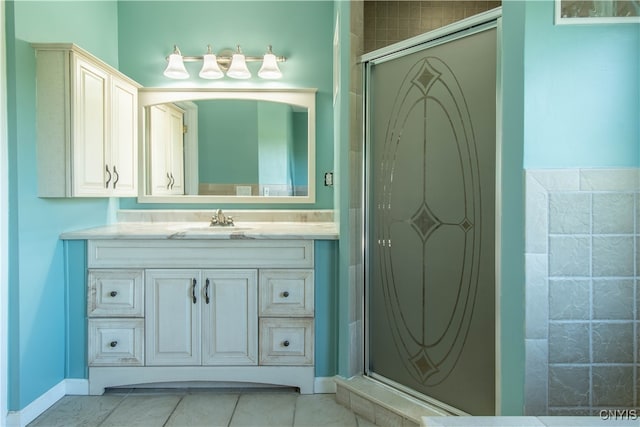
285 294
113 344
286 343
113 293
193 291
206 291
173 180
115 172
109 178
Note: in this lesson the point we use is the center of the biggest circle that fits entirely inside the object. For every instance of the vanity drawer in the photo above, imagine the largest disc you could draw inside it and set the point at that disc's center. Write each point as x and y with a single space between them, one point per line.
286 293
115 293
286 341
116 342
205 253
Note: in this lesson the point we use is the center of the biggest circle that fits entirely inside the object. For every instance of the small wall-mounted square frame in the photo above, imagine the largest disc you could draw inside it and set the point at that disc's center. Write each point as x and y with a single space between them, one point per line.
597 12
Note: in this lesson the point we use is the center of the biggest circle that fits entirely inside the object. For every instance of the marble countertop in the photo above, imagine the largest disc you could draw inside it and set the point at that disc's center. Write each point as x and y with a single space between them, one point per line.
282 230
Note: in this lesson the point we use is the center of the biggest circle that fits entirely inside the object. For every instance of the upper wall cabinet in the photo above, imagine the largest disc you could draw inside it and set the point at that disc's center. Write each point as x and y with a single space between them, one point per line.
87 125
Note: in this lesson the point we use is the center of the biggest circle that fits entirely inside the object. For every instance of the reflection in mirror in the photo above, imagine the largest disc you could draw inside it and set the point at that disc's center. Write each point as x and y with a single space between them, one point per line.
268 147
235 146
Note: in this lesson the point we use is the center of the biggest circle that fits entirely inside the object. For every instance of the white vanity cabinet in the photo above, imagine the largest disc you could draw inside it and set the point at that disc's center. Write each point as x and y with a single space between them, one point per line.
87 125
166 149
212 310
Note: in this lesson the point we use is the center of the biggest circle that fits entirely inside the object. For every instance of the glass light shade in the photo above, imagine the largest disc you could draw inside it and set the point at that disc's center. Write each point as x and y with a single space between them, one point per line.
269 69
210 68
238 68
176 69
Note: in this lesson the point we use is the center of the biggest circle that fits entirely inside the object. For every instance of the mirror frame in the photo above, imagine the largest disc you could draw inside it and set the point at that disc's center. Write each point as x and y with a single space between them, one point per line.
305 98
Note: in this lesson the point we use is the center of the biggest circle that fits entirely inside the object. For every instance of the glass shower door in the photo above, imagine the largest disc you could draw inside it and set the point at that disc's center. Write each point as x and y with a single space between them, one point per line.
431 221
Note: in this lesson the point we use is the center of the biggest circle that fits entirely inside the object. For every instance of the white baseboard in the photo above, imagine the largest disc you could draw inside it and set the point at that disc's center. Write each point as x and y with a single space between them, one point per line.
77 387
29 413
324 385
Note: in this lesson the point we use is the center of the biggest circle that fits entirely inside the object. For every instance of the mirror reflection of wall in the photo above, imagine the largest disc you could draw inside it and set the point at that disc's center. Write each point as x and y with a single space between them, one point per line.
251 148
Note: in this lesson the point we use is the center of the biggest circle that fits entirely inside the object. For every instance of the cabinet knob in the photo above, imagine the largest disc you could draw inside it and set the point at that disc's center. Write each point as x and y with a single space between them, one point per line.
113 343
285 294
113 293
286 343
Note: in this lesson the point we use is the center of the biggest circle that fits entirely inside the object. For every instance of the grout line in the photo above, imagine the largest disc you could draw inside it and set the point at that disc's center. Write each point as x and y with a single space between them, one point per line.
233 413
122 398
295 410
173 411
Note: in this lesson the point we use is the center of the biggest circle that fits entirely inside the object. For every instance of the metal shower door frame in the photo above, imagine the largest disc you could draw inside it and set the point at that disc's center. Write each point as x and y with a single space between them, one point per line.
467 27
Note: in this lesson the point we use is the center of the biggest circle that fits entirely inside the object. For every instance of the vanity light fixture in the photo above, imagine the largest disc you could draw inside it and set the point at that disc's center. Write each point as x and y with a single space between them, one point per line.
175 69
233 63
269 69
238 68
210 68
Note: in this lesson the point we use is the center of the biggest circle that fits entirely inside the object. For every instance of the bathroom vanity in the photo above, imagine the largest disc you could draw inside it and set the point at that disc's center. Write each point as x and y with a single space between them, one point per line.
176 302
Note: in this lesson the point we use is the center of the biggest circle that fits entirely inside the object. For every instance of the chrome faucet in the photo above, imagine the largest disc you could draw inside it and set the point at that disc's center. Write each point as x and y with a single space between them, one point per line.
220 218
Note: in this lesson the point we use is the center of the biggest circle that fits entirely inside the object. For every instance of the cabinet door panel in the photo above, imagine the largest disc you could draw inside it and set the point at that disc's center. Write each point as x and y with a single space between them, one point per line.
165 145
230 319
89 131
176 150
172 317
124 148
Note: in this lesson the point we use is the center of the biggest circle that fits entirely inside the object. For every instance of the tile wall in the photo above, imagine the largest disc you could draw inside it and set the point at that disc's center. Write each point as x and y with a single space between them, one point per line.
387 22
582 291
356 147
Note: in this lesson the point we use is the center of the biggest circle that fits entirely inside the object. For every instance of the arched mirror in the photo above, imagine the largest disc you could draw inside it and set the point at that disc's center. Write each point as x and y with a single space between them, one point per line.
227 145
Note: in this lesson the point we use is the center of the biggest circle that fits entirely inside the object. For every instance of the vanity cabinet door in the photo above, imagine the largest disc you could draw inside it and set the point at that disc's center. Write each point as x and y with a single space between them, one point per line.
172 318
230 317
123 146
165 146
90 165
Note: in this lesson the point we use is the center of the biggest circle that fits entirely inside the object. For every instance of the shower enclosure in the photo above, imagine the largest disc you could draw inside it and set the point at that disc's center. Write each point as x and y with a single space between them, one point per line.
430 215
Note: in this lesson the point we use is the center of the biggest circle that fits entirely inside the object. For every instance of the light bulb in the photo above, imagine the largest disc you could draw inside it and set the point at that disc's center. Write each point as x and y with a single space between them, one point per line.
238 68
269 69
175 69
210 68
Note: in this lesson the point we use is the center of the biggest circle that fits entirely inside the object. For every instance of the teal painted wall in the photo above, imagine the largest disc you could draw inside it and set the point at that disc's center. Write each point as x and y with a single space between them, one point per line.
326 322
37 294
300 30
581 96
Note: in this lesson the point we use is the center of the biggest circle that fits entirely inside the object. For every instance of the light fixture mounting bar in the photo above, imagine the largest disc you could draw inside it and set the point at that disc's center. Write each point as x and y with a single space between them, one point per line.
227 59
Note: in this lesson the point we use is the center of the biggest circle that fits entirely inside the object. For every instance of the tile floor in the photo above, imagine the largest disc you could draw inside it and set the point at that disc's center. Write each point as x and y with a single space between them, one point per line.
199 407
